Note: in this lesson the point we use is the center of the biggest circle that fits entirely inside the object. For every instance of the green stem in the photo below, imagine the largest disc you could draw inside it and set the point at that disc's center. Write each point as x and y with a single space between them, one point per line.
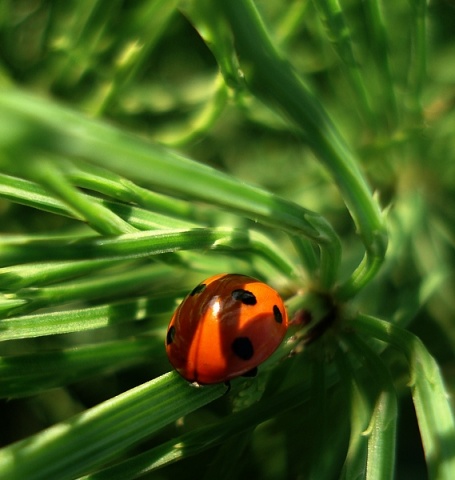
274 81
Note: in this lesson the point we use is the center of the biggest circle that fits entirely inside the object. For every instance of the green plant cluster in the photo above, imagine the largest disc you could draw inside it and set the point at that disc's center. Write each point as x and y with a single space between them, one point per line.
147 145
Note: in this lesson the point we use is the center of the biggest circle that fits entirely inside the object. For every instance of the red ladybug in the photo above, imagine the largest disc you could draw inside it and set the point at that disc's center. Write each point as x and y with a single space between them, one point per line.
225 328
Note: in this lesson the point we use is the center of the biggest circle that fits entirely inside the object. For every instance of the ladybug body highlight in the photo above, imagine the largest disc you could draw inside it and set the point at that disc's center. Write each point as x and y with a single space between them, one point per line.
225 328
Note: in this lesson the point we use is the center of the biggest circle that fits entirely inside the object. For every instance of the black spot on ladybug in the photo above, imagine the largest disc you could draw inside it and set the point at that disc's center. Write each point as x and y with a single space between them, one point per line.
243 348
277 314
170 335
244 296
200 288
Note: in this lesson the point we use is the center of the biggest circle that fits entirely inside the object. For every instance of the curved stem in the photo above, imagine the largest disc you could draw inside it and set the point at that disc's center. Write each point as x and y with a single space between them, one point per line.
272 79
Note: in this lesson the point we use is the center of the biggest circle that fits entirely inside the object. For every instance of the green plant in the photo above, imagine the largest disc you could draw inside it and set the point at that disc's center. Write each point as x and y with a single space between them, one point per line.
107 225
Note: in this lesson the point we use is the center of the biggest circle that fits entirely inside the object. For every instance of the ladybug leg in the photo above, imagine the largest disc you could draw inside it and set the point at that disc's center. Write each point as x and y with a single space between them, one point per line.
228 389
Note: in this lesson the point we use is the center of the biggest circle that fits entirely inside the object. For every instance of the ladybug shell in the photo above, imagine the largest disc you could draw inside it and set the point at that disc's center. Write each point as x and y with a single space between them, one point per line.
225 328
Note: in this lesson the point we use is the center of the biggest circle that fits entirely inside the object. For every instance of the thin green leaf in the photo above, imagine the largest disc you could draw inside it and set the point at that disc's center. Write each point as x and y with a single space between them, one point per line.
33 195
418 67
108 183
354 467
381 432
72 448
39 125
434 412
307 255
22 249
114 285
38 274
25 375
133 245
206 437
100 218
332 16
380 49
79 320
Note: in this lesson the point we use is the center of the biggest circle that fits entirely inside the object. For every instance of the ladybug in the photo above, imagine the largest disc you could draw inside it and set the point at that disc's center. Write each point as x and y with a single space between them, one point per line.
225 328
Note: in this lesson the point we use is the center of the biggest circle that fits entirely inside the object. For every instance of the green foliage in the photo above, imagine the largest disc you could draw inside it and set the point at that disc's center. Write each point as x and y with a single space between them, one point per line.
147 145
